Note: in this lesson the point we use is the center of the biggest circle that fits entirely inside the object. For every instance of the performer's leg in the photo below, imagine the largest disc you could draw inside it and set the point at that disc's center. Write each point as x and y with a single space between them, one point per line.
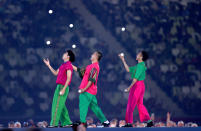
84 101
143 113
132 101
57 106
96 109
54 104
65 119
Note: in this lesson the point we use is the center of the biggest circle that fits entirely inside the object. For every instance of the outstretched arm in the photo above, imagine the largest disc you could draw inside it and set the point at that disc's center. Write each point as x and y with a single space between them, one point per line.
47 62
168 117
74 68
81 71
124 62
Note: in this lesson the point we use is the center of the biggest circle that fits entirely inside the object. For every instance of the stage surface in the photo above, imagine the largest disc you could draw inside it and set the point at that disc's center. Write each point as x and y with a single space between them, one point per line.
109 129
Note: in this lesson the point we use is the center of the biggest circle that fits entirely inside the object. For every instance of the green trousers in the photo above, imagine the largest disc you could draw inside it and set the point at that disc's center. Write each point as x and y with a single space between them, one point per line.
86 101
59 110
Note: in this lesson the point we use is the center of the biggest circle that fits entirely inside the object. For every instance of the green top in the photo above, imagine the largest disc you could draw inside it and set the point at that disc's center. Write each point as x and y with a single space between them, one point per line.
139 71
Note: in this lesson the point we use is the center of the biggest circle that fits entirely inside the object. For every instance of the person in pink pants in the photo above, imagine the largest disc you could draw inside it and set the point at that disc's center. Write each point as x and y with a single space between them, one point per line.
136 90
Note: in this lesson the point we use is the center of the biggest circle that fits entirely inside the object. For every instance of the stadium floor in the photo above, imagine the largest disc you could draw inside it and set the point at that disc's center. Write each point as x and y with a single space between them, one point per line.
110 129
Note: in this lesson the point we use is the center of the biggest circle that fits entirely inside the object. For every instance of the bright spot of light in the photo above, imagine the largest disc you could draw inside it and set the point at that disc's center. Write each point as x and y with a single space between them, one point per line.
73 46
71 25
48 42
122 54
123 29
50 11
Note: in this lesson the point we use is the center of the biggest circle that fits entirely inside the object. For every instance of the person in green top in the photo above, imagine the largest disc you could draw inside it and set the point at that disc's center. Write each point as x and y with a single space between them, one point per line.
136 90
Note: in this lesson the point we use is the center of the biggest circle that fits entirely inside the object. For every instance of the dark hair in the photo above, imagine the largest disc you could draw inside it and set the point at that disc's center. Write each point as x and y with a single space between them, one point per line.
99 55
145 55
71 54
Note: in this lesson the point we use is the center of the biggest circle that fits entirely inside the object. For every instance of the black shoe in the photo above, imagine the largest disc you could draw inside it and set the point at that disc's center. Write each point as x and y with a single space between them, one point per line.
75 125
106 124
150 123
128 125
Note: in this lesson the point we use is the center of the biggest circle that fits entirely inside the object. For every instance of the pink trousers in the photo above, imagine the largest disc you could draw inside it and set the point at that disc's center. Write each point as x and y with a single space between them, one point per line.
136 98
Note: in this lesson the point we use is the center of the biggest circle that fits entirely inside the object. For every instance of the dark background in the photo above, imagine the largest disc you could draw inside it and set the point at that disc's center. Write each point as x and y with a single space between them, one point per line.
169 30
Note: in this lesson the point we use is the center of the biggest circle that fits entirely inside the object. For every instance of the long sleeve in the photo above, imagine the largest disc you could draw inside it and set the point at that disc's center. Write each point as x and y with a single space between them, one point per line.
93 75
81 71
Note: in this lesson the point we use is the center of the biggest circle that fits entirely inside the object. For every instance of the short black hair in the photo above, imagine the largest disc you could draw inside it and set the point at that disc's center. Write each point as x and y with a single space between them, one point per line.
99 55
145 55
72 55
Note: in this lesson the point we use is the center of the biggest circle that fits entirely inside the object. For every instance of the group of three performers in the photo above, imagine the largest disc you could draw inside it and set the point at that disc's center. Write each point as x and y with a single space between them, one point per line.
88 90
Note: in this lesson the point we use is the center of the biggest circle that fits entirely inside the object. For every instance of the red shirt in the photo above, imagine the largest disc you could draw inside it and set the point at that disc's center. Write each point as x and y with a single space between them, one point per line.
91 74
62 75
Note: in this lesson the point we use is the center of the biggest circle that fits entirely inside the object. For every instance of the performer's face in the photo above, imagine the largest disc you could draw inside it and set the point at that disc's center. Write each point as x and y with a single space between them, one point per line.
65 56
139 56
94 56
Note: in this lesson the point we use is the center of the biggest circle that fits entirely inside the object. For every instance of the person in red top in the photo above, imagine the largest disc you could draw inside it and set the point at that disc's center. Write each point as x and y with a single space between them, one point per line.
88 90
64 76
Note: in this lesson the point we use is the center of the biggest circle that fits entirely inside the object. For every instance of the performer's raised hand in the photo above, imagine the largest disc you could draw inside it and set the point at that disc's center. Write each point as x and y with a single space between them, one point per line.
46 61
121 56
168 116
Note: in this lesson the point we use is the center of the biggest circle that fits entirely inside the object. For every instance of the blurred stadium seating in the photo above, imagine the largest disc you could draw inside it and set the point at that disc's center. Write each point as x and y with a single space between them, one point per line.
169 30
